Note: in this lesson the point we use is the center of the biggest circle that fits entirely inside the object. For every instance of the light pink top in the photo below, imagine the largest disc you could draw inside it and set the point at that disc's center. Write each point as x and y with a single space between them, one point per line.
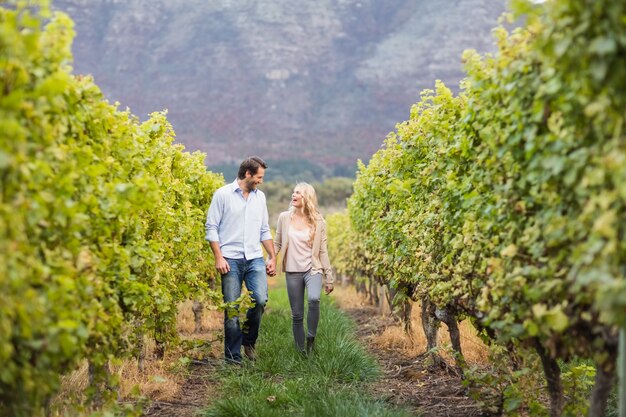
321 263
299 255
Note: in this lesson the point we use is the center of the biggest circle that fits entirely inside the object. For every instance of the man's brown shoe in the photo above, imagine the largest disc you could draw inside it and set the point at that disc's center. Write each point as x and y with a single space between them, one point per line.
249 352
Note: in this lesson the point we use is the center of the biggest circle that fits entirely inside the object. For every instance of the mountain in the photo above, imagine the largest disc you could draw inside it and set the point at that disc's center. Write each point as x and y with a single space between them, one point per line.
313 84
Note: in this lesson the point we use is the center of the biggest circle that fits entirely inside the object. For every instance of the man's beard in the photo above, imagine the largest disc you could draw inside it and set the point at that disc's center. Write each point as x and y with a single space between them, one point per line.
251 185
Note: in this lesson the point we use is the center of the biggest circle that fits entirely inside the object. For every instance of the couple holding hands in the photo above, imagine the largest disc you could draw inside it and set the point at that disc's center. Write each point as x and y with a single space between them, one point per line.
237 222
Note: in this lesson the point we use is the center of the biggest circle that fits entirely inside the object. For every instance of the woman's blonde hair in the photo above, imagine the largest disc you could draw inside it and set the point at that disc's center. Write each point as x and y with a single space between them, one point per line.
309 207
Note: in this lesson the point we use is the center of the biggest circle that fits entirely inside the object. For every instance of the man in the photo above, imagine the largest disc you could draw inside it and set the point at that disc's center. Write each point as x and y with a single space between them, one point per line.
237 221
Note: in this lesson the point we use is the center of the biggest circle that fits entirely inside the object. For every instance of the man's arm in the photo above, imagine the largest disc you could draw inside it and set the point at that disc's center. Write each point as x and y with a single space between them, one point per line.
211 227
220 263
271 262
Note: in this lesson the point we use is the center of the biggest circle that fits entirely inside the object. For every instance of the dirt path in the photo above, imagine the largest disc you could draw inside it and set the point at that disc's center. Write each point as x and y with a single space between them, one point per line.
194 396
408 381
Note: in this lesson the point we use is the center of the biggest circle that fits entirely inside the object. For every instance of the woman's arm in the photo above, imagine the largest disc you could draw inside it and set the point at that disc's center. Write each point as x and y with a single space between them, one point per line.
278 240
325 260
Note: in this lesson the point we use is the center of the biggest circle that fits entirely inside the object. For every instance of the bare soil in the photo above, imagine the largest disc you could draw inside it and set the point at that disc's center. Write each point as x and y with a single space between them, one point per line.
410 382
195 395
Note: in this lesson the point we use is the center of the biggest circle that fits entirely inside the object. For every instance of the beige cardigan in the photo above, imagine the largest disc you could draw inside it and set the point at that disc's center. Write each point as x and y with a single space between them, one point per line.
320 260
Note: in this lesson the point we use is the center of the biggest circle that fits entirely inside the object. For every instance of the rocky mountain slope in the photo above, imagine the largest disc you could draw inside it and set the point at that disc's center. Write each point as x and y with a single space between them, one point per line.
318 81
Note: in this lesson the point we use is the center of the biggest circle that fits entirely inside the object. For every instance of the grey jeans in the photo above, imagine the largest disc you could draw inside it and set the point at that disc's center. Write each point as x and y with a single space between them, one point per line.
296 284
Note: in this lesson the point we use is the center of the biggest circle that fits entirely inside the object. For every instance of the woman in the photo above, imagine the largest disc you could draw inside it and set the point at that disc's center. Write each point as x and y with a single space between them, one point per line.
301 234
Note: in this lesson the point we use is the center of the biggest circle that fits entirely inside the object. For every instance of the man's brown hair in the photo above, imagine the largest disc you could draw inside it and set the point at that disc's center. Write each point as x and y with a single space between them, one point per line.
252 165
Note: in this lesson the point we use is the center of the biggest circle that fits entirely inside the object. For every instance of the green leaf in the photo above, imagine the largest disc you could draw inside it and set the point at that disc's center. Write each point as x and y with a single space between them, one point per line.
603 46
5 160
557 319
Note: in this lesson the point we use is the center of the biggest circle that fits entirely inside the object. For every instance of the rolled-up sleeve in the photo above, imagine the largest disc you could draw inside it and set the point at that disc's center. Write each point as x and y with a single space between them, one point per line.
213 218
265 224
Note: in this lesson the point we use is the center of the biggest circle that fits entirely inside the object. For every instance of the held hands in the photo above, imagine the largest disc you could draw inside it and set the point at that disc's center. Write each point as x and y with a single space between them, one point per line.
270 267
328 288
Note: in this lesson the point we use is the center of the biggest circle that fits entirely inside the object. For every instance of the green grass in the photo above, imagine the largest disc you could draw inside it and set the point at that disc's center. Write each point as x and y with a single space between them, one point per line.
282 382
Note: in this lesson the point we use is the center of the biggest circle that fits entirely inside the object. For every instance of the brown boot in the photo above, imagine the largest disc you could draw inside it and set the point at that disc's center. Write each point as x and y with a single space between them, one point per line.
250 353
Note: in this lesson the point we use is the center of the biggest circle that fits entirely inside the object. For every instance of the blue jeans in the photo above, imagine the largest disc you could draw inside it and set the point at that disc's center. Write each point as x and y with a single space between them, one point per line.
253 273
